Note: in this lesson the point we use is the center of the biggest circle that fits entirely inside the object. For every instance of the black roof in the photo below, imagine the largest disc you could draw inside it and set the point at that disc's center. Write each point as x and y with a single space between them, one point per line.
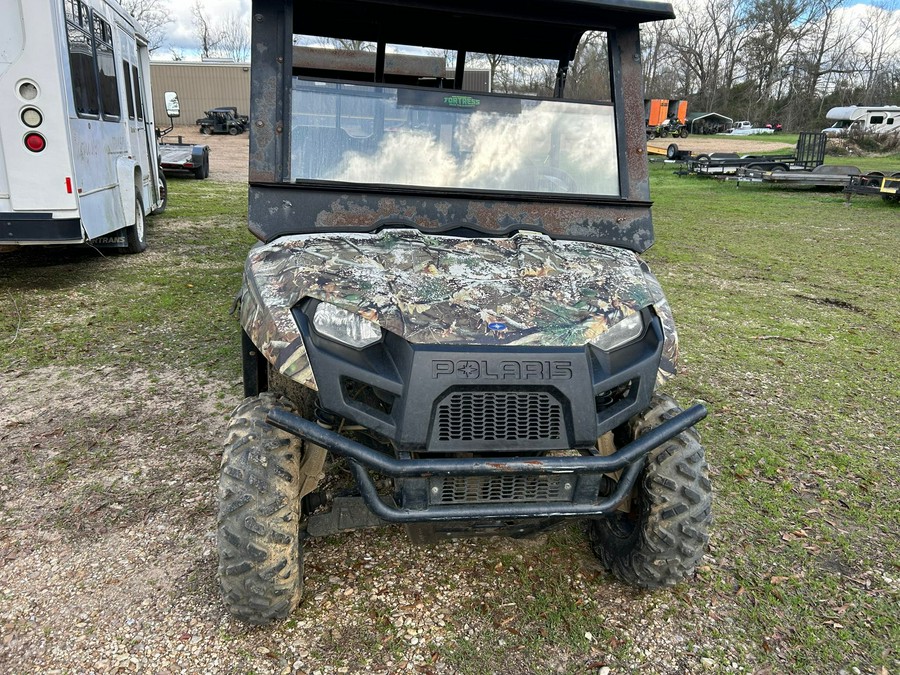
535 28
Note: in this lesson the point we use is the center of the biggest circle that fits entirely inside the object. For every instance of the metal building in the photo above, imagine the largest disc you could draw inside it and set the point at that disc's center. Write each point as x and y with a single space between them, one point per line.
200 86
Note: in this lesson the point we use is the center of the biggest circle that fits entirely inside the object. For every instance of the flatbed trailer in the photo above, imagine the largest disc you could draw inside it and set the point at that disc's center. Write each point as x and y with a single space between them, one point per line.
808 154
875 183
823 176
179 157
184 158
849 179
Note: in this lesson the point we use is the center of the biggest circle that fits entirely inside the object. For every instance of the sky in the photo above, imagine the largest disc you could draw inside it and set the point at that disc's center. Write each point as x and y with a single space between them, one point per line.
181 31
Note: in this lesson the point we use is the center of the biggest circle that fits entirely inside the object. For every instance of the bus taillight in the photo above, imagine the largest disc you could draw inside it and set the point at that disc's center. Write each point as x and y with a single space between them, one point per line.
35 142
31 117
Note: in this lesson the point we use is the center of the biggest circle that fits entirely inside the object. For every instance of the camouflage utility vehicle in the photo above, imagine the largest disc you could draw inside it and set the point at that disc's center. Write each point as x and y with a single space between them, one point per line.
447 300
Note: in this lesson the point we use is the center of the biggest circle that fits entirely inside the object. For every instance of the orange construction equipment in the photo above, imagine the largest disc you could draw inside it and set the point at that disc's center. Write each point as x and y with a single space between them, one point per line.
658 110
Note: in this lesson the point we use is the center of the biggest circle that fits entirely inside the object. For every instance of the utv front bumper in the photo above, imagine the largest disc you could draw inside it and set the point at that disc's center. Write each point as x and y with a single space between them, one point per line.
562 487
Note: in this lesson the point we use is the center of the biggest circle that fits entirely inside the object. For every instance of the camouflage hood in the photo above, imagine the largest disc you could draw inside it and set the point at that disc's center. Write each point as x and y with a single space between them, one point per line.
527 289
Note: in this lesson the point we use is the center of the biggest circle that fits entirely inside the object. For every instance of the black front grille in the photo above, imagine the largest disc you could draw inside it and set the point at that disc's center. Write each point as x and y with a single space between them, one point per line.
506 416
500 489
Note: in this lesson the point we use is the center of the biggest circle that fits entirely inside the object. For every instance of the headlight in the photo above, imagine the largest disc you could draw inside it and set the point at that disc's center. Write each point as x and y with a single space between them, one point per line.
620 334
345 327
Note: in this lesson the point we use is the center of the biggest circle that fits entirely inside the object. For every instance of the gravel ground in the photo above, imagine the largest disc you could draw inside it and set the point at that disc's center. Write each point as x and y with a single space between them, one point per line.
111 568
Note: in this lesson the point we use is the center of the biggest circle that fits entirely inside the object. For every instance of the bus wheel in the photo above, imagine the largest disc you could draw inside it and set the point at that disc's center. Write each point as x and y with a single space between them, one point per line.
135 234
163 193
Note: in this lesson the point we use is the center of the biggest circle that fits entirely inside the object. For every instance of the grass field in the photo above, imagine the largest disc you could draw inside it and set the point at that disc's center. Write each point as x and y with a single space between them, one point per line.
787 306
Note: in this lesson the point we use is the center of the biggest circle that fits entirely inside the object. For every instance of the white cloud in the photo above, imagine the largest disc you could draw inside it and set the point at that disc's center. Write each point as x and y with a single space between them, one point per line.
180 33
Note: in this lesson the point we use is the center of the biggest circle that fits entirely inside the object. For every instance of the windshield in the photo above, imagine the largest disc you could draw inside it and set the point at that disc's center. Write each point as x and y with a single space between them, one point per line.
425 133
441 138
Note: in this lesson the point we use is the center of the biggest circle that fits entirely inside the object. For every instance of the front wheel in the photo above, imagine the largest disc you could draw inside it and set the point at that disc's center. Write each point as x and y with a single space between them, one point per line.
663 536
260 550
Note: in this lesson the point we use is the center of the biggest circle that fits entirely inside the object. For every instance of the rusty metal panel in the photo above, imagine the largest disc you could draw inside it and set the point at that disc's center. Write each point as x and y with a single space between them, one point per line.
276 211
269 44
631 119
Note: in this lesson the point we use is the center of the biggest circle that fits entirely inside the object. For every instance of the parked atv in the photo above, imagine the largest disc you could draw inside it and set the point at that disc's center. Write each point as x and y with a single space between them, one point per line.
671 127
222 121
447 300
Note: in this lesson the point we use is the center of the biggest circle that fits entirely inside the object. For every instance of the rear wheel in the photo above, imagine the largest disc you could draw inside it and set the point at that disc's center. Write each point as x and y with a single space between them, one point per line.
163 193
260 551
671 151
135 235
663 536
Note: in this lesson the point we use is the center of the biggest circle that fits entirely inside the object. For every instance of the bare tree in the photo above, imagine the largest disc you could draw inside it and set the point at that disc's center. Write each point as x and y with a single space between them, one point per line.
493 61
706 41
588 75
656 52
880 41
235 38
206 33
153 16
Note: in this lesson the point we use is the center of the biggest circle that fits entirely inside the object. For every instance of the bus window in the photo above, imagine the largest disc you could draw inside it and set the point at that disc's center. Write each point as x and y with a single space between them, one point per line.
129 101
81 59
126 68
109 86
137 93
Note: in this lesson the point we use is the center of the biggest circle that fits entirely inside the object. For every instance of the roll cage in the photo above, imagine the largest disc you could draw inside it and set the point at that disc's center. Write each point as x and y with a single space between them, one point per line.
284 201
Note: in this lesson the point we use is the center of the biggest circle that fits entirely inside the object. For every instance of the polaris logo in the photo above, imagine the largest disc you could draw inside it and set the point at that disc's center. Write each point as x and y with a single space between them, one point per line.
502 370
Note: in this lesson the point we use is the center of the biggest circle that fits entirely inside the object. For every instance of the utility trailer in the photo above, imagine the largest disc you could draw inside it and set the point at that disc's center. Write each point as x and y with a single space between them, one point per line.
808 154
875 183
825 176
178 158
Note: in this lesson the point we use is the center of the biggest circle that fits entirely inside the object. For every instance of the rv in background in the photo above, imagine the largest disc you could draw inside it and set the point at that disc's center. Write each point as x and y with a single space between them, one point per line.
875 119
79 162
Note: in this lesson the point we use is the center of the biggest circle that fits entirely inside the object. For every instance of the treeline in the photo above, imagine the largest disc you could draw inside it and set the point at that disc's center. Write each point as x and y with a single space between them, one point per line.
768 61
785 61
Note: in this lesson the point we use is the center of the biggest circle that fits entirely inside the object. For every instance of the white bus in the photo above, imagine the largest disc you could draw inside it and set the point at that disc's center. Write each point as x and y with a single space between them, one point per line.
79 162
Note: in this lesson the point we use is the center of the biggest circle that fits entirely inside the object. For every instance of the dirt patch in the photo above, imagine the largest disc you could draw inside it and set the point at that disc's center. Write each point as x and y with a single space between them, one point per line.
708 144
108 563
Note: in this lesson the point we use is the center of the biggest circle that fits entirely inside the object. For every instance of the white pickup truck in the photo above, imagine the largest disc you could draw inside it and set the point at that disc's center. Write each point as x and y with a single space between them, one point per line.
745 127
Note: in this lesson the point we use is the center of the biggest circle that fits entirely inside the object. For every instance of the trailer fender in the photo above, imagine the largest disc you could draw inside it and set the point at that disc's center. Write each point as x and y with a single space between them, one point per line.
128 174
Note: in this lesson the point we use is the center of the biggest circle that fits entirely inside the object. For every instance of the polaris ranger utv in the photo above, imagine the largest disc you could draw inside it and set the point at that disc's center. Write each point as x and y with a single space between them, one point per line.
447 299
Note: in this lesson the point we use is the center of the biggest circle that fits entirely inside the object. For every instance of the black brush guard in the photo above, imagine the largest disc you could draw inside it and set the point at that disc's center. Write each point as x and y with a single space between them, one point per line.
630 459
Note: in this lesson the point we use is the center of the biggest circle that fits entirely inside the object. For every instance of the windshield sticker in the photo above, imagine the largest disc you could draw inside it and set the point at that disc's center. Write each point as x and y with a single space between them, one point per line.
462 101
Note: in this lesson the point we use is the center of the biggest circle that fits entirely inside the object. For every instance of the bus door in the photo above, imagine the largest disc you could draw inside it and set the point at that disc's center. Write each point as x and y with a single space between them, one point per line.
135 115
97 140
